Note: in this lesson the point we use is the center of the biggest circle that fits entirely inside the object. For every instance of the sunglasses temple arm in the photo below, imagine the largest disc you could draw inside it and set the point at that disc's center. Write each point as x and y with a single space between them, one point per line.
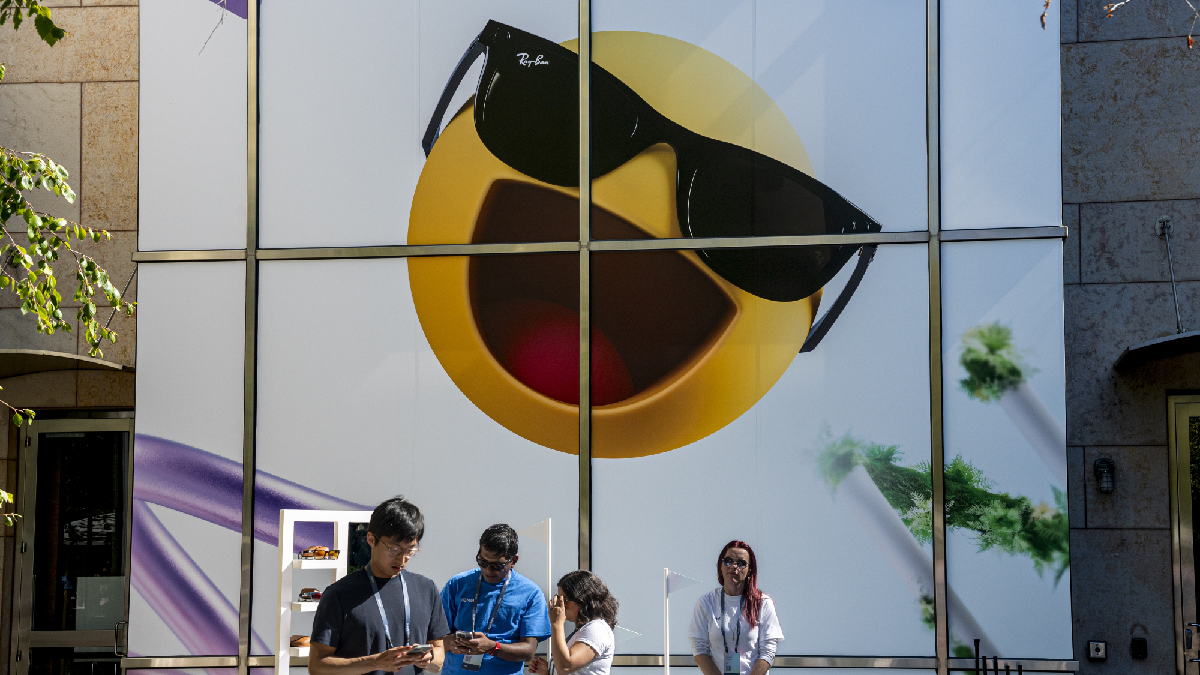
460 71
822 326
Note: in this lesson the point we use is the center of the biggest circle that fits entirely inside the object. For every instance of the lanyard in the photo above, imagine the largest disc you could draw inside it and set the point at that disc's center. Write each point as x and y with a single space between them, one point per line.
737 619
475 606
387 631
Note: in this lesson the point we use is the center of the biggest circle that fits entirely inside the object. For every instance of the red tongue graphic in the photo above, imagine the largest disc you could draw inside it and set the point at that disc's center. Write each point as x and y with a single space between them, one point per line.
544 355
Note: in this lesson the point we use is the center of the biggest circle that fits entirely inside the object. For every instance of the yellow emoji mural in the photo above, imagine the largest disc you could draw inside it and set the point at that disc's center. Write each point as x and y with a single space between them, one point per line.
684 145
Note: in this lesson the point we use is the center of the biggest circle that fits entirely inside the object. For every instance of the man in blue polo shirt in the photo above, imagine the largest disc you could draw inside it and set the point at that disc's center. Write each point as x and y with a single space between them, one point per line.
496 615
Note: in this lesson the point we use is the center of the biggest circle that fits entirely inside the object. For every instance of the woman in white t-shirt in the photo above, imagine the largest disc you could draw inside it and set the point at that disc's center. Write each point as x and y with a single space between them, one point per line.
584 600
735 630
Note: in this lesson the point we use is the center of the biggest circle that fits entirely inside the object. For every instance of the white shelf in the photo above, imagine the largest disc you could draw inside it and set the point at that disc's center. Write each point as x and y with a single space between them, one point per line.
286 655
314 564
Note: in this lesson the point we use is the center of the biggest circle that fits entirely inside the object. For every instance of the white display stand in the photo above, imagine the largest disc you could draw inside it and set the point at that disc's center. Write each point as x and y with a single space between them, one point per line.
288 518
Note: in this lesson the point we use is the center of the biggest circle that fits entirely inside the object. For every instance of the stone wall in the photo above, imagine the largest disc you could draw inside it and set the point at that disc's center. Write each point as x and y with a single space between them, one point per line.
1130 126
78 103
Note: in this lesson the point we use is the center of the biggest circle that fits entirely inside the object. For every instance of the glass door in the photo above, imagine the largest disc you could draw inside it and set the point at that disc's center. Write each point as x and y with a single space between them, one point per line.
72 553
1183 421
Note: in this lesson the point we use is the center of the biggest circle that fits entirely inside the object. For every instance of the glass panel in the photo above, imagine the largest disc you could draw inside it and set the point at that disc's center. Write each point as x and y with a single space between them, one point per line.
453 384
192 125
1000 118
1007 549
819 460
793 82
79 545
74 661
187 495
379 84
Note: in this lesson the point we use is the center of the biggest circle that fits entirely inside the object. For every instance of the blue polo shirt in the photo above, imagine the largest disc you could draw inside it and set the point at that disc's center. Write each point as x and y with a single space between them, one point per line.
522 614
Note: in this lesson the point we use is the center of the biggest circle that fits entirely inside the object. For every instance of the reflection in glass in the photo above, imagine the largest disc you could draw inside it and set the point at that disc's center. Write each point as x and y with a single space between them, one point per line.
79 560
73 661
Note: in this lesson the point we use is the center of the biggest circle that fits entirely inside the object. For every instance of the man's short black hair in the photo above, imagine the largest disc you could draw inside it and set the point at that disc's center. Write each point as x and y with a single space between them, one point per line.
399 519
500 538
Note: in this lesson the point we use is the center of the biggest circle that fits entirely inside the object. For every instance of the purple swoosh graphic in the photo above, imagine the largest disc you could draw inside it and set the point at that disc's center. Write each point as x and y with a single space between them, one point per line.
179 592
207 486
235 7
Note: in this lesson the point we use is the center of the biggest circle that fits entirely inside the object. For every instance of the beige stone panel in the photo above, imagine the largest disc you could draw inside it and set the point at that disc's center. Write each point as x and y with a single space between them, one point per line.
1076 486
54 389
1071 245
102 47
113 255
14 442
1121 587
1107 407
1140 498
1130 112
103 389
61 3
109 3
43 118
1134 20
19 331
1120 244
110 155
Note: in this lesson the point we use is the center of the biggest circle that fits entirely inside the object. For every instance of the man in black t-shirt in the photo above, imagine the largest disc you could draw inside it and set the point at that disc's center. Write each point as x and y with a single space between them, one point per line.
370 620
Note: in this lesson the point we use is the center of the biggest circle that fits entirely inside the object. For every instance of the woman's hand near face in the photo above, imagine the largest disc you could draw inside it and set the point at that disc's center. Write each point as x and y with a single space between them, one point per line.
558 612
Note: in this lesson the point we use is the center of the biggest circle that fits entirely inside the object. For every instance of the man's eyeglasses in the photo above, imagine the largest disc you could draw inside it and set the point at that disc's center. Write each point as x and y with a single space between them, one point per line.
396 551
734 562
527 115
493 566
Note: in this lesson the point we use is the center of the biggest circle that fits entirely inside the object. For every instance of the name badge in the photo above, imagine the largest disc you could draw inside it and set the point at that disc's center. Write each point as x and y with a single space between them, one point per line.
472 662
733 663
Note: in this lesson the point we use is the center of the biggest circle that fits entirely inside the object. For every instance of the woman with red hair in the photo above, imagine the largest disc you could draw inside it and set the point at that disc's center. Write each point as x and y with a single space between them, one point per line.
735 630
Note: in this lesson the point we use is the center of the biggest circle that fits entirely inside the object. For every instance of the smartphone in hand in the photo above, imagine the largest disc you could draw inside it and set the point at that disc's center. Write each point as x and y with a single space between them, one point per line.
417 650
463 635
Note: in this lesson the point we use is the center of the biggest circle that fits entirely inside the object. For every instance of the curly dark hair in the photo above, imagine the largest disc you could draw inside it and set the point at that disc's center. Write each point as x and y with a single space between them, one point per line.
589 592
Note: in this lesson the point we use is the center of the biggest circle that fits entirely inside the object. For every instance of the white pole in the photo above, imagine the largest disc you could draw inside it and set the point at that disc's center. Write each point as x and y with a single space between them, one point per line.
1039 426
549 586
666 626
859 494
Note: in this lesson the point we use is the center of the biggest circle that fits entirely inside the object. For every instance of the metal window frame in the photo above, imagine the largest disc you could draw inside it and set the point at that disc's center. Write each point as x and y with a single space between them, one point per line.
22 607
1183 562
931 237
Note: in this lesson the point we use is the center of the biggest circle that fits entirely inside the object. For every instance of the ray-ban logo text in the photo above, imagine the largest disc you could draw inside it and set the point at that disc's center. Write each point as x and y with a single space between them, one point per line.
523 59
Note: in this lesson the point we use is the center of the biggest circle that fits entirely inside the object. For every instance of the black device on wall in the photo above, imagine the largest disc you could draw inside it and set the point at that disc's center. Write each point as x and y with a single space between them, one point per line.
1138 648
1106 475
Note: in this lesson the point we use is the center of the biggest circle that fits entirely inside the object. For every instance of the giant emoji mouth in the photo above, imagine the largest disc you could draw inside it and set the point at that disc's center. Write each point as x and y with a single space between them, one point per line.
654 313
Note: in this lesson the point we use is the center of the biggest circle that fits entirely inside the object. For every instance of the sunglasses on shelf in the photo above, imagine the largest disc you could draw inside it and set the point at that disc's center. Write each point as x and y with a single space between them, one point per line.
527 115
734 562
493 566
310 594
319 554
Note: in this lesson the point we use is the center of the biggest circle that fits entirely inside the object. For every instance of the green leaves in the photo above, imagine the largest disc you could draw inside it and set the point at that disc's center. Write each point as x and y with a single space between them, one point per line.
9 518
42 21
19 416
48 239
46 29
992 363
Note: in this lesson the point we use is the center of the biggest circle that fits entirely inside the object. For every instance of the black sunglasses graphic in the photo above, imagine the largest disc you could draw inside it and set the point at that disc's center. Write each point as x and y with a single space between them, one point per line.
527 115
